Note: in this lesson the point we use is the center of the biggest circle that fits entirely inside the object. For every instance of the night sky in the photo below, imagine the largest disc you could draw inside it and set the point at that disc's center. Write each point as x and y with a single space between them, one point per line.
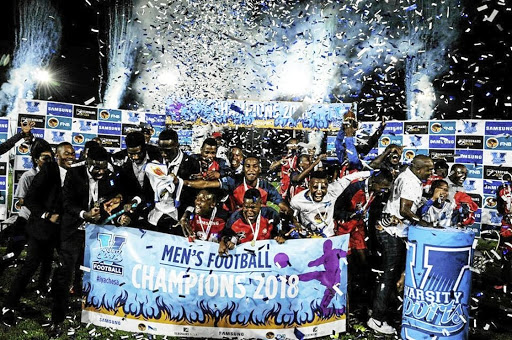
475 85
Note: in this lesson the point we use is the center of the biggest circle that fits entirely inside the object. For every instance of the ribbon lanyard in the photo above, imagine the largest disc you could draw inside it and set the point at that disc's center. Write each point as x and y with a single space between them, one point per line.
209 226
256 187
257 231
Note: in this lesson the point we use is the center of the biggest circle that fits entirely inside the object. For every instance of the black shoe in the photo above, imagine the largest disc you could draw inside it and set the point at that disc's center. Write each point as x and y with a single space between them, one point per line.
55 330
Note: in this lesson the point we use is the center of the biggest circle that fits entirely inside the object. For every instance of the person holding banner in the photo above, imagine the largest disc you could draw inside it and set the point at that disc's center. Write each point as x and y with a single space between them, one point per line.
251 223
400 211
205 221
89 193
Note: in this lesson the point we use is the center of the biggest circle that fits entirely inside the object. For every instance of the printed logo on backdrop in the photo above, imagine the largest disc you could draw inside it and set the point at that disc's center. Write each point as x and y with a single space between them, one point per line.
110 141
155 119
496 172
416 128
497 158
22 149
109 115
490 202
57 136
386 140
110 254
394 128
127 128
442 142
3 137
469 156
85 125
415 141
447 155
32 106
109 128
478 215
59 109
4 125
60 123
468 127
474 170
477 198
85 112
81 138
3 169
442 309
25 163
409 154
490 187
39 121
38 133
470 142
3 183
495 128
442 128
132 117
498 143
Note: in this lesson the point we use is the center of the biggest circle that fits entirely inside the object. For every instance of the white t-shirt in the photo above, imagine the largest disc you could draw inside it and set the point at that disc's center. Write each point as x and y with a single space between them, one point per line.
318 216
408 186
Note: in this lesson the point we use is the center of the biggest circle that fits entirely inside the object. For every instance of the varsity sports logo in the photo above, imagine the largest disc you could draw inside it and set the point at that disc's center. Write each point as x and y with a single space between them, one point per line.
110 254
435 302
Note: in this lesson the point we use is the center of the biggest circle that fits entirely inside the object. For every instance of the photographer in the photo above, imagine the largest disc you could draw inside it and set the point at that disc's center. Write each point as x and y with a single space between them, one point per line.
25 133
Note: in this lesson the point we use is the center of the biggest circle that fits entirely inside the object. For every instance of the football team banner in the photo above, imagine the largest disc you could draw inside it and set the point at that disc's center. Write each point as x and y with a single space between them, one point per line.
144 281
437 284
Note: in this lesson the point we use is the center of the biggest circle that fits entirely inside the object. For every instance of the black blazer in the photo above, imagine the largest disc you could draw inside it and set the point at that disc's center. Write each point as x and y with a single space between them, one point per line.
44 195
75 194
130 187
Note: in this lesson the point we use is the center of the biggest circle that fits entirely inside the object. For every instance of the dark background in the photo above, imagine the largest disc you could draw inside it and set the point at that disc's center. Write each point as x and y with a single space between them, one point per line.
485 44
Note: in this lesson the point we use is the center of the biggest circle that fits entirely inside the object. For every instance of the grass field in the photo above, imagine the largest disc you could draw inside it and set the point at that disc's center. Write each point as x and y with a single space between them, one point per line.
491 312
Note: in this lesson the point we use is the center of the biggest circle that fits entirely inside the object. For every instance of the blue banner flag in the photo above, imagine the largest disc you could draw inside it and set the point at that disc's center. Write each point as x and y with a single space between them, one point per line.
144 281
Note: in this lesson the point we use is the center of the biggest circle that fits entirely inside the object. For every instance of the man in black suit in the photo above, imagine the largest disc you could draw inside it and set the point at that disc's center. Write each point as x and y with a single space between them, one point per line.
43 199
180 165
85 187
133 179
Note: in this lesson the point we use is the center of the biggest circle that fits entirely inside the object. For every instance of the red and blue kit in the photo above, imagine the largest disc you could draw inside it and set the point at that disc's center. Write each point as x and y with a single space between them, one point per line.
209 228
266 226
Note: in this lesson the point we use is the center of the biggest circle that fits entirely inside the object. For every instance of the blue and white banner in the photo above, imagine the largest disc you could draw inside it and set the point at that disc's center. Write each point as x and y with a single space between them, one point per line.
144 281
437 284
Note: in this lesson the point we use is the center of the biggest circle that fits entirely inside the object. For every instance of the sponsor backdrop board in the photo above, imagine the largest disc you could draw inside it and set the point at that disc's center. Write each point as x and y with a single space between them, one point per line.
4 169
144 281
485 147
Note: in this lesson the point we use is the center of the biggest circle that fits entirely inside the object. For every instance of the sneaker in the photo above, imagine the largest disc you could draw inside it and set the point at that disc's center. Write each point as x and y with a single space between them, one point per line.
380 326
